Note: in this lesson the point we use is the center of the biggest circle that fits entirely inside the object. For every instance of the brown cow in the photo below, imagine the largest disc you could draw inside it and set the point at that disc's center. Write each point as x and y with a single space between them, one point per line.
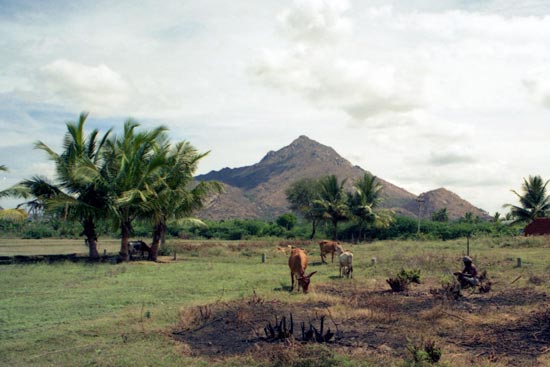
328 247
297 262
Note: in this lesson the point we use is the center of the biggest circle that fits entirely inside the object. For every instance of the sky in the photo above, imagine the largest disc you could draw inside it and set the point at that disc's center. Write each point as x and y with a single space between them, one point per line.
424 94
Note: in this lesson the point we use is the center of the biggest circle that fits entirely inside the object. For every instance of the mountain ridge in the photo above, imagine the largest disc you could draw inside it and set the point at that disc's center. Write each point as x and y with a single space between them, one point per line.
258 190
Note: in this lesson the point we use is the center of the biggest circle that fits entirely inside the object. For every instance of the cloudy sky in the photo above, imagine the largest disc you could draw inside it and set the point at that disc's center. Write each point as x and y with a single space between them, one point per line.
425 94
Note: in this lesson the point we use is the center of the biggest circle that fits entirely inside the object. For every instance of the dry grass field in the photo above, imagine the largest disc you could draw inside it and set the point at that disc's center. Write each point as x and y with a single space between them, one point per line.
52 246
210 306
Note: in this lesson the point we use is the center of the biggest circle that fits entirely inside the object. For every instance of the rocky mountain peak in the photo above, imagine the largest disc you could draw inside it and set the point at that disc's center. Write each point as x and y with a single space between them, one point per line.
258 191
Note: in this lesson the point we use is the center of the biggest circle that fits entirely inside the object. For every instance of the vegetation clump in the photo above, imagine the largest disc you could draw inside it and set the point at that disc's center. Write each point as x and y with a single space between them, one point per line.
403 279
427 353
448 291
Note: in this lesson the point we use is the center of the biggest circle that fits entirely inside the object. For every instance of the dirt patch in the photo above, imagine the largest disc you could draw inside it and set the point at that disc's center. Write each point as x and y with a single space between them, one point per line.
233 328
510 327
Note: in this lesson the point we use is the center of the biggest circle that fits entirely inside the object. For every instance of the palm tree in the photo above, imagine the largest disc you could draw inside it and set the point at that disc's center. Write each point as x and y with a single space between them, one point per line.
38 190
533 200
74 193
365 200
332 202
302 195
174 197
133 169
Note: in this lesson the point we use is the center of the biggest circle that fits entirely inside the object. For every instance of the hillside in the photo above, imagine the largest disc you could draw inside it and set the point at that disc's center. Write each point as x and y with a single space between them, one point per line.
258 191
442 198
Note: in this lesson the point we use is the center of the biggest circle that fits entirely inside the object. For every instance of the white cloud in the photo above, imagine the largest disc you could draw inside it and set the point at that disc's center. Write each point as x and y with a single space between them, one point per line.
332 73
395 62
452 155
316 21
537 84
98 88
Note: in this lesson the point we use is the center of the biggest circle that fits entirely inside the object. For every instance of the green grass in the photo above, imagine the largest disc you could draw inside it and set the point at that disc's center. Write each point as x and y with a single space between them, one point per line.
81 314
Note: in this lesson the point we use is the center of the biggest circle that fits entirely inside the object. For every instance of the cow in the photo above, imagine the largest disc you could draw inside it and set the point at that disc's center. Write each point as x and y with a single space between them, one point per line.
327 247
297 262
345 258
135 247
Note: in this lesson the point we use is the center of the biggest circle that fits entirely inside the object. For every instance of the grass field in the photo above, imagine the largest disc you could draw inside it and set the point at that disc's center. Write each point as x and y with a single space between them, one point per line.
209 307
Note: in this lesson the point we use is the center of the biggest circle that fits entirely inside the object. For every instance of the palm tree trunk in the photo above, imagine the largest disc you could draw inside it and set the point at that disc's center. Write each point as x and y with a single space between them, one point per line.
158 233
125 230
335 230
313 228
91 238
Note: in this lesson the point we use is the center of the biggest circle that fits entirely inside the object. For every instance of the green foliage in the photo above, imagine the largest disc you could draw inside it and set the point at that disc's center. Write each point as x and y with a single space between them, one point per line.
166 250
287 221
236 229
239 229
411 276
534 202
332 203
407 228
440 215
38 232
425 354
405 277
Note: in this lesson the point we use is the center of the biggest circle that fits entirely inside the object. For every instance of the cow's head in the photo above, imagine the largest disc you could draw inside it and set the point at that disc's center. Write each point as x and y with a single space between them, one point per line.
304 281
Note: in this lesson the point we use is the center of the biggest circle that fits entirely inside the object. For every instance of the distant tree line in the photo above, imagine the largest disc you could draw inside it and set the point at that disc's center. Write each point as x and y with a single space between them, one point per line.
326 201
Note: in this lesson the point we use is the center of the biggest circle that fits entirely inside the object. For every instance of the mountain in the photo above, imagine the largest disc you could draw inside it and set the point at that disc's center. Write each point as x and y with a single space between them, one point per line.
258 191
434 200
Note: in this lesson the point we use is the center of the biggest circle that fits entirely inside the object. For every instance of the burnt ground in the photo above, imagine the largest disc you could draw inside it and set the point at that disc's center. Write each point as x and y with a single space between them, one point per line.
508 327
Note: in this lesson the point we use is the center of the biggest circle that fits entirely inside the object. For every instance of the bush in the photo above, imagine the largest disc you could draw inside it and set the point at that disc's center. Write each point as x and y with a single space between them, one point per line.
405 277
411 276
427 353
287 221
38 232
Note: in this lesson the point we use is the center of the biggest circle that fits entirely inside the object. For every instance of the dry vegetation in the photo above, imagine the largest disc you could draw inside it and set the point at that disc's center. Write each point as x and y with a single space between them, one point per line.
507 327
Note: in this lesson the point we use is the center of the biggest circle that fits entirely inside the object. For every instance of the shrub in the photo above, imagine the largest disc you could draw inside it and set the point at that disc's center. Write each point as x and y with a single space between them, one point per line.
424 354
405 277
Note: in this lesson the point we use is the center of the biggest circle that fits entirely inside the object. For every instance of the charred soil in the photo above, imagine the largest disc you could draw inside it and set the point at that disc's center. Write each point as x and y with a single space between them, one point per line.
504 327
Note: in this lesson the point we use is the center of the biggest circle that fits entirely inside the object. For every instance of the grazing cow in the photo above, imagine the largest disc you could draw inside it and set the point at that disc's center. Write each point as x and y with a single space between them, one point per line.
328 247
345 258
135 247
283 250
297 262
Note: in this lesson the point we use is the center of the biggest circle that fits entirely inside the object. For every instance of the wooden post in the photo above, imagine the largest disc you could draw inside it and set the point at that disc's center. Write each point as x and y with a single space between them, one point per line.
263 258
519 262
468 245
175 255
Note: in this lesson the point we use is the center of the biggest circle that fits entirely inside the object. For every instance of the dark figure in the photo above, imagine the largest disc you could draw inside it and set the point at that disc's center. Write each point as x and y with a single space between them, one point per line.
136 247
468 277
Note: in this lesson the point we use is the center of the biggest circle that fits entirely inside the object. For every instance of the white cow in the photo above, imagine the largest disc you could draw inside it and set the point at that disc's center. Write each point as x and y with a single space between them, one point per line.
345 258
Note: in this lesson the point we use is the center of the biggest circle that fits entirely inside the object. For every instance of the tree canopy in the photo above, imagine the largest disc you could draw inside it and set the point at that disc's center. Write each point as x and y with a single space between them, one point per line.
533 200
